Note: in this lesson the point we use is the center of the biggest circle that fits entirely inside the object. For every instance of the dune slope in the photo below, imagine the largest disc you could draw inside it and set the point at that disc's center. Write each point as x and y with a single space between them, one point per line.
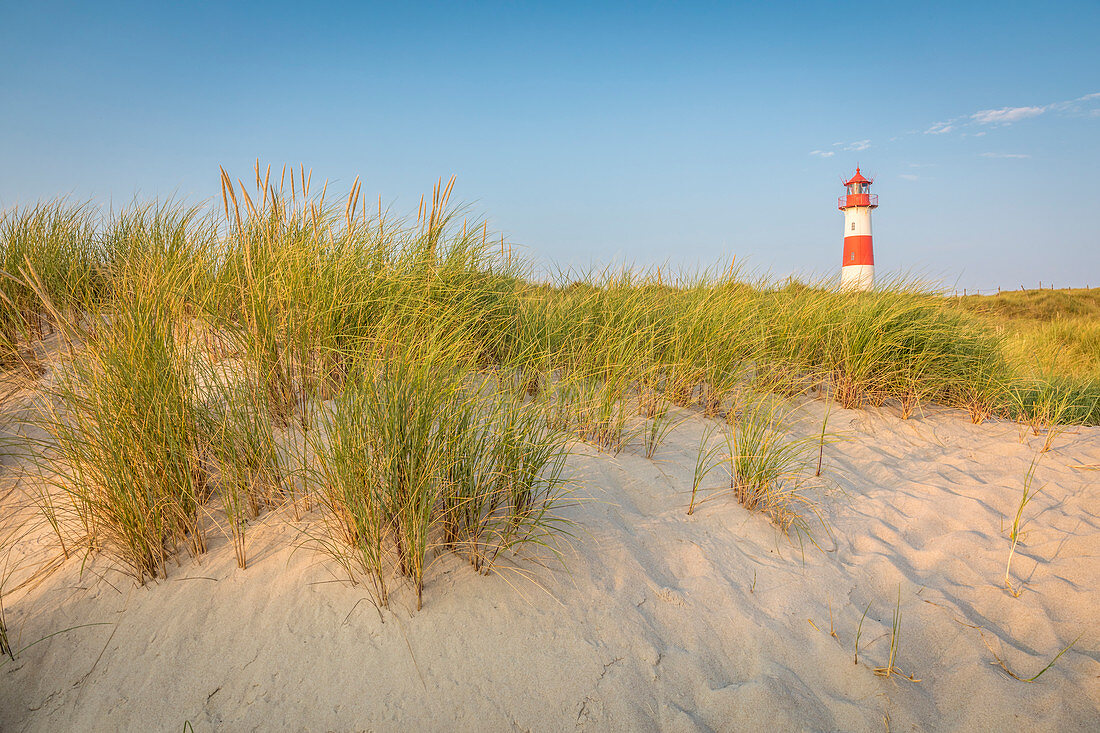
653 620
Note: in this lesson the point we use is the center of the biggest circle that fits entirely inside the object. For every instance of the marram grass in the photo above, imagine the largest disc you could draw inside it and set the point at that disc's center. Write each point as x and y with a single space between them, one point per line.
410 379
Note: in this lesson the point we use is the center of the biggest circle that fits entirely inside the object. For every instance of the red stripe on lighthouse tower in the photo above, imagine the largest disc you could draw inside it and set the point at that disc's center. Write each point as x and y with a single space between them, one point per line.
858 250
857 271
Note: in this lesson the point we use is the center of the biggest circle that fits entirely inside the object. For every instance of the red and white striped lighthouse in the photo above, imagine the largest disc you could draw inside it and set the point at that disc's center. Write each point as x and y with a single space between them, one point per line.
858 269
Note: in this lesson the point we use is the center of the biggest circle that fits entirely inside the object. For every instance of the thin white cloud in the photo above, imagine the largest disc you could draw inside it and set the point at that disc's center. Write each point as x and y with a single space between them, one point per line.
909 176
855 146
977 124
1006 115
1079 105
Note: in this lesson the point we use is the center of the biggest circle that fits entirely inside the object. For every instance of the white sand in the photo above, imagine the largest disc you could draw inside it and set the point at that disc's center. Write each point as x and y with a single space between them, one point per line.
653 624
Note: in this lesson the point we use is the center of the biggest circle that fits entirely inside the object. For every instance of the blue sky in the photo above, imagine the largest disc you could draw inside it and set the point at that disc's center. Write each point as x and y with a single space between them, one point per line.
596 133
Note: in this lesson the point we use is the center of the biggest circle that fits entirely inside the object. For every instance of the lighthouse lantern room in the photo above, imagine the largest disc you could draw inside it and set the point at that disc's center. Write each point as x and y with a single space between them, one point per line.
857 272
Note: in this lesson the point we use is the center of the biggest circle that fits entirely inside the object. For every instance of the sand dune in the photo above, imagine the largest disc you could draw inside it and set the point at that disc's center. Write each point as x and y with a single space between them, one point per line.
654 620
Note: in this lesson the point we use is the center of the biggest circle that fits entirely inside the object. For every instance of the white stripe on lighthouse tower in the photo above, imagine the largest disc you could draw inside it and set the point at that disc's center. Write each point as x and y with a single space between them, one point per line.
857 270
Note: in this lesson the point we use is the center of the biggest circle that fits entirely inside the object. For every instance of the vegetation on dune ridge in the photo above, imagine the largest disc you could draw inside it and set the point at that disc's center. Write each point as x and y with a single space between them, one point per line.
410 381
1051 338
1037 305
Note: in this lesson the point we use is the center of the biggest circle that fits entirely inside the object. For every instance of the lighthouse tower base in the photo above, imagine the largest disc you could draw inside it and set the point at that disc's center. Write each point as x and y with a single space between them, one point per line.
857 277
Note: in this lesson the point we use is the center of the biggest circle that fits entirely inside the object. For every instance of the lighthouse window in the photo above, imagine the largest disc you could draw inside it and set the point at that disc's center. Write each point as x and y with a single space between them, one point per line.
853 226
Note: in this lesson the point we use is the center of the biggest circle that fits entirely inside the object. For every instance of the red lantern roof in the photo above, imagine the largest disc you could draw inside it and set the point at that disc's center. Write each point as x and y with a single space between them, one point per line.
857 178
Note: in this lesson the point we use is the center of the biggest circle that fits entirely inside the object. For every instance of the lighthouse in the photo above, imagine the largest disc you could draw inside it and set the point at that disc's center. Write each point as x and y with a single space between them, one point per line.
858 269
